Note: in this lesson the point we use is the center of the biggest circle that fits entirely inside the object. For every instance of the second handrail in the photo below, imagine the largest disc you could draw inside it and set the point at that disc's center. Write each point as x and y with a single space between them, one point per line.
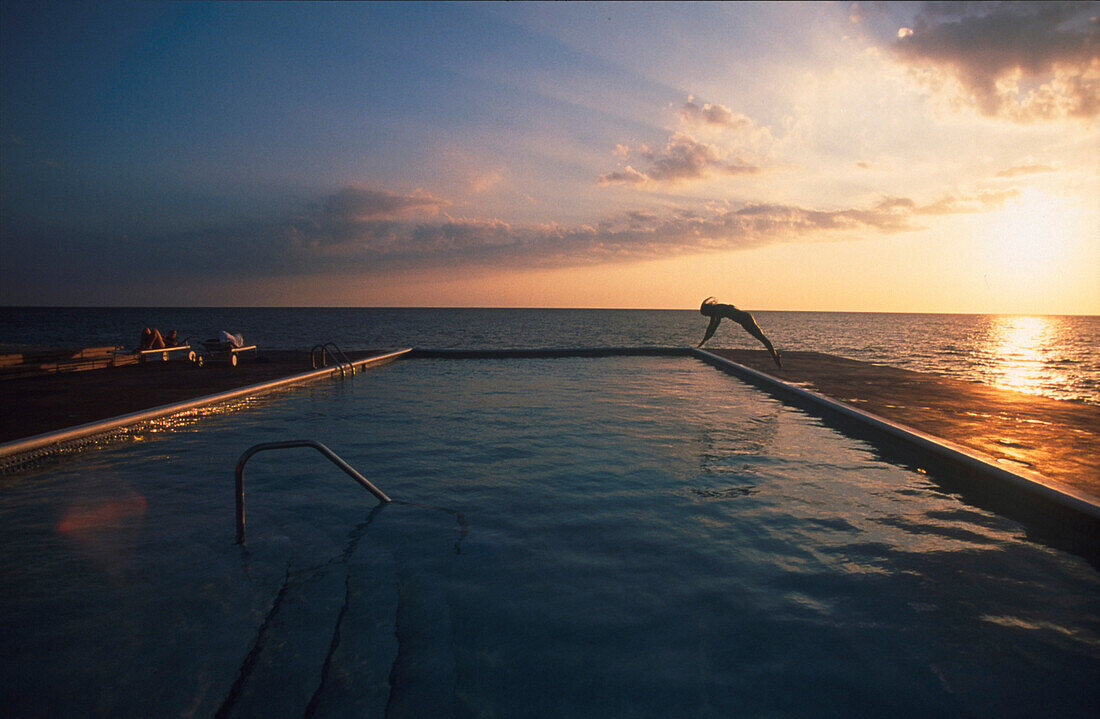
332 456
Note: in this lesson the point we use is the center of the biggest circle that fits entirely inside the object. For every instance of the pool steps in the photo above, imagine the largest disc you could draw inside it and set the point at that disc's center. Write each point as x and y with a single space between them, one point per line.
290 444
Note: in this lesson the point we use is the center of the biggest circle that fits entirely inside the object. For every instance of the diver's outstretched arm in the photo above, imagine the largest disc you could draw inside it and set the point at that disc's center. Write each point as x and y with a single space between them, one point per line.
711 329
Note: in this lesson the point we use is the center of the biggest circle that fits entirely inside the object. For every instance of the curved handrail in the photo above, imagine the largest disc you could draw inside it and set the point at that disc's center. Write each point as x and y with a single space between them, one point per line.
338 356
343 357
313 356
332 456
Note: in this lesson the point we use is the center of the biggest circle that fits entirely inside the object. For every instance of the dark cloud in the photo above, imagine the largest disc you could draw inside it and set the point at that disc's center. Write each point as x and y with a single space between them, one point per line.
340 236
354 213
684 158
354 203
1021 61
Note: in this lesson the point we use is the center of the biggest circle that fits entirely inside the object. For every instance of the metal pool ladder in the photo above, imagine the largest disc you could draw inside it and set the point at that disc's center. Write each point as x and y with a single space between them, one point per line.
338 357
332 456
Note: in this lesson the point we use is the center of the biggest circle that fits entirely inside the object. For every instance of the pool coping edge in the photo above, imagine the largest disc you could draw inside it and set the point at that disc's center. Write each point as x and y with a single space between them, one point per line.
984 465
48 440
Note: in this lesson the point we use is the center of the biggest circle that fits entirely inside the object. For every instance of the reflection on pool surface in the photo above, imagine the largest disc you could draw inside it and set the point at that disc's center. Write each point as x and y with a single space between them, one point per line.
573 537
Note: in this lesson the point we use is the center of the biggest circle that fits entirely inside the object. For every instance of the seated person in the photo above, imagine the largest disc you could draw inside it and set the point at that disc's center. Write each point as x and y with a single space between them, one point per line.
172 339
151 340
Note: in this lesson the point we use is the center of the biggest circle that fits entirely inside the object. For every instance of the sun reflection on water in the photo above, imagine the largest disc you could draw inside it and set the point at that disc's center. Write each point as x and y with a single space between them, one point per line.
1018 350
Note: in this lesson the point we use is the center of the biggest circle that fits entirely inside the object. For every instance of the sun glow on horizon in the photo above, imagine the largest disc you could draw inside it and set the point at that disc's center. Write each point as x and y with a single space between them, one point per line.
1033 235
1040 254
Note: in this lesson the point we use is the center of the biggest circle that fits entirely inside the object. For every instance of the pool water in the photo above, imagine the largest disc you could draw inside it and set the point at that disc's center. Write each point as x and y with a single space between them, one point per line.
570 538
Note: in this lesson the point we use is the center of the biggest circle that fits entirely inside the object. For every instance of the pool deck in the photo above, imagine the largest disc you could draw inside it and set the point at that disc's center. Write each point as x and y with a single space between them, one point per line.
1023 433
47 410
1038 439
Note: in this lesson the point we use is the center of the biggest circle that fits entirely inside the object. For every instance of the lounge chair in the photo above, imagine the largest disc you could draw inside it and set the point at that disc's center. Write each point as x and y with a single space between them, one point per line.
226 348
180 352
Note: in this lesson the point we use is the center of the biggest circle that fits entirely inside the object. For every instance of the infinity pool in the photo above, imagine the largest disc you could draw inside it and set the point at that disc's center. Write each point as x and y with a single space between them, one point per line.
570 538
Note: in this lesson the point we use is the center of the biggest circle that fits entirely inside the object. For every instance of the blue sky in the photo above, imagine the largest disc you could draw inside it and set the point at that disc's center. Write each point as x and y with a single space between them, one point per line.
551 154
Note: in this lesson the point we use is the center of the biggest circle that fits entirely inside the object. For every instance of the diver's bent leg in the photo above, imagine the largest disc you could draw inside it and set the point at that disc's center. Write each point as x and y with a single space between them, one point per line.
756 332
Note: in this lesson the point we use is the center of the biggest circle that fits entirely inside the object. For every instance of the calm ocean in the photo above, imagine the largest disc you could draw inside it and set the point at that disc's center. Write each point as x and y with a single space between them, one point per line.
1055 356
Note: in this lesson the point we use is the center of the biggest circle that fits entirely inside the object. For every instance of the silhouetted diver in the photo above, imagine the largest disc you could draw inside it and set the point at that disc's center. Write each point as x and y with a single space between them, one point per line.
716 311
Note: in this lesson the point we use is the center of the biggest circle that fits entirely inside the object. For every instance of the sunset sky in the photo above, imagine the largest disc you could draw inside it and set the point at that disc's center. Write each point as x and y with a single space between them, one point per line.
866 156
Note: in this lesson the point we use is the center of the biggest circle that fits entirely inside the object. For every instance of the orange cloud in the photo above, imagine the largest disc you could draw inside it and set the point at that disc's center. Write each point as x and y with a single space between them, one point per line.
483 181
1019 170
712 114
684 158
967 204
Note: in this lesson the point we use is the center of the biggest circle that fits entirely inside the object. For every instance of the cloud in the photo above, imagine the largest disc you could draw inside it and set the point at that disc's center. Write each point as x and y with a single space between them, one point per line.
360 232
712 114
966 204
683 159
359 204
479 182
1025 62
893 204
351 213
627 176
856 13
711 140
1018 170
371 233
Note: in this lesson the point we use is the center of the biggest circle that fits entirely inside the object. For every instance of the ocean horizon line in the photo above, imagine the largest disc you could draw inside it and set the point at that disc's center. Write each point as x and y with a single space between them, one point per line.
513 308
